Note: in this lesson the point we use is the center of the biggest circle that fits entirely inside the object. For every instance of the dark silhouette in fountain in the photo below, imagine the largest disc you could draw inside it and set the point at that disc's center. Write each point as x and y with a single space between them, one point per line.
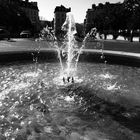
68 80
64 80
72 80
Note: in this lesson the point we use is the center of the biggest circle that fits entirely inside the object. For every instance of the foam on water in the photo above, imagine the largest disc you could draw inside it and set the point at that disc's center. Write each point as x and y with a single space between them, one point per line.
107 76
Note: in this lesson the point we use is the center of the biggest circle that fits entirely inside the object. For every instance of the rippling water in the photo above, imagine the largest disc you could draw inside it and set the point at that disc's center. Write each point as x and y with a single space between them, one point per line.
102 104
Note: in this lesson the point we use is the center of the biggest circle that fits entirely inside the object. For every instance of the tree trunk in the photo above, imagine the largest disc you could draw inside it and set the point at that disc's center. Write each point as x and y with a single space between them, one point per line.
115 37
105 36
131 39
131 36
139 35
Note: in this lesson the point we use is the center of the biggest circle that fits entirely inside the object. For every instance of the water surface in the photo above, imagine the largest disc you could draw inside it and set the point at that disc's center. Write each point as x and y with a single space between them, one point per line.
102 104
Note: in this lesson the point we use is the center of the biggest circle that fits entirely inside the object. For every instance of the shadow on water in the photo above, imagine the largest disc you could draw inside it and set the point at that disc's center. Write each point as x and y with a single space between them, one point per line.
91 103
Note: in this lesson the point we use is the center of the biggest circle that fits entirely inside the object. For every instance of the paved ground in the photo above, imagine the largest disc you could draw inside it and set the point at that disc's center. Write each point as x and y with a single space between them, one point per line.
110 46
22 45
118 45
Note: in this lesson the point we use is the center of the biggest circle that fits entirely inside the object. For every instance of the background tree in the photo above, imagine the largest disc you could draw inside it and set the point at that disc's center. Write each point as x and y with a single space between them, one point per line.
132 8
80 30
14 19
109 18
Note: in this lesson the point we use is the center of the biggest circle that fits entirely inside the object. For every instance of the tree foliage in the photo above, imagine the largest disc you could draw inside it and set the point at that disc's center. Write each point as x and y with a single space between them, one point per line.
14 19
112 17
132 8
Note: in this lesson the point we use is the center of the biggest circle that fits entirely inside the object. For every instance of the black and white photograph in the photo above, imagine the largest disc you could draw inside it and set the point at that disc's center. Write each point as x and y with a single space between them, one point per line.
69 69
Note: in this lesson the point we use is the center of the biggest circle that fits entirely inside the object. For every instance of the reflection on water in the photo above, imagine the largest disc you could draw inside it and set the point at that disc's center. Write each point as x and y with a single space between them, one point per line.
98 106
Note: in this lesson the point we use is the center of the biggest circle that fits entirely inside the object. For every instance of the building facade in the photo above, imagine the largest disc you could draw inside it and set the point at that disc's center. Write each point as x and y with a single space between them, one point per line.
4 2
32 12
89 20
29 8
59 18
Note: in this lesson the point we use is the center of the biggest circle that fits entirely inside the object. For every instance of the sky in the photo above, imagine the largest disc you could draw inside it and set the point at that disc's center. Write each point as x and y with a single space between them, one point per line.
78 7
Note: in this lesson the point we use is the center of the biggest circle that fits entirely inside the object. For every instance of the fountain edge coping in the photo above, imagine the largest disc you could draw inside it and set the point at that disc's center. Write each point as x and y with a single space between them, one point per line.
53 53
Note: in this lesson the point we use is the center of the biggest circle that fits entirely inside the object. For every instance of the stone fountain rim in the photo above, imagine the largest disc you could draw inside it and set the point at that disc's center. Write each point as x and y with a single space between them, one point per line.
128 56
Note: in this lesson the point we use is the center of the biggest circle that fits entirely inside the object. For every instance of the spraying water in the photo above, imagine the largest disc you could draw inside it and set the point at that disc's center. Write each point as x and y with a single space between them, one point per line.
69 48
69 52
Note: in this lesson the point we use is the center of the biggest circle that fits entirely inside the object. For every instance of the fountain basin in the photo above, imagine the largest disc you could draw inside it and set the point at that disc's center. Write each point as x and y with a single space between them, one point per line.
103 103
88 55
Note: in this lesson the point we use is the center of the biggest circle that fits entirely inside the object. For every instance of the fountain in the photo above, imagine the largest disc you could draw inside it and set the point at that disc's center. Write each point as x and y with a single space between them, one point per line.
102 102
70 51
69 47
